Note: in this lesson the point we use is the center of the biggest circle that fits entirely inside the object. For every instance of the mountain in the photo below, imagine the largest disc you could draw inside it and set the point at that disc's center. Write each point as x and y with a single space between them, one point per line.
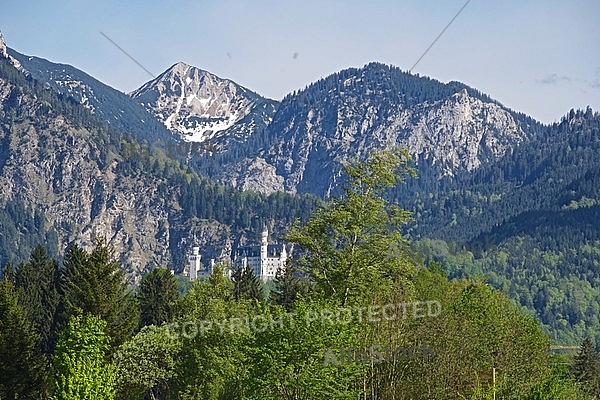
554 172
199 106
66 176
111 106
447 128
540 204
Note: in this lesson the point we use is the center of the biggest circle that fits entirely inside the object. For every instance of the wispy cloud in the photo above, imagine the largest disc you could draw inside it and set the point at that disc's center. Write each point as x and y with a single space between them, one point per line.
553 79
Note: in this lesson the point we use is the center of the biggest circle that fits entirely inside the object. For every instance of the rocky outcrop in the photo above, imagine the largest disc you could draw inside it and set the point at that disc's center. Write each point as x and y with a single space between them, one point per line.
199 106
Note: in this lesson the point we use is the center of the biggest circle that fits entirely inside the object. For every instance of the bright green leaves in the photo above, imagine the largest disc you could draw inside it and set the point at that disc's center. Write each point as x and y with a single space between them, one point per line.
80 367
345 243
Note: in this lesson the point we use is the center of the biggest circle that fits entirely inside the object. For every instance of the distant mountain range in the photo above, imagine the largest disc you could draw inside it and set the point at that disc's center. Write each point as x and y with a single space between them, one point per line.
300 143
79 158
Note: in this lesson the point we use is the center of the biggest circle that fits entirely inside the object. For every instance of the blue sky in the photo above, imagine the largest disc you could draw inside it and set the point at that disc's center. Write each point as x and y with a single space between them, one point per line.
540 57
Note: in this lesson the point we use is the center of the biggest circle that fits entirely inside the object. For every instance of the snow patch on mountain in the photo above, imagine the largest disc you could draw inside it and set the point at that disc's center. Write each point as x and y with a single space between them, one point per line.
194 103
4 54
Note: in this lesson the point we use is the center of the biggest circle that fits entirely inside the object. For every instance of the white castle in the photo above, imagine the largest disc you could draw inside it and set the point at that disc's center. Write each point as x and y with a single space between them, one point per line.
264 260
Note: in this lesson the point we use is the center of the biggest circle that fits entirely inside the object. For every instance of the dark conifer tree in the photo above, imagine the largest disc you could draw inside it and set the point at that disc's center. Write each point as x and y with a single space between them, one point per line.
38 284
246 285
587 367
157 296
93 284
22 365
288 287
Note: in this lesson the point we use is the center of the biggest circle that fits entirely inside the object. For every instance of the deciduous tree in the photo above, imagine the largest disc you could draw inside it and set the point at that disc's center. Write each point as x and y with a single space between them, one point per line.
80 370
345 243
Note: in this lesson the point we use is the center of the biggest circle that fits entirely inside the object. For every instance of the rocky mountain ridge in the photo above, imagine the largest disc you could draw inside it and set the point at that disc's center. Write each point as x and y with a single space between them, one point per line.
356 111
299 145
112 107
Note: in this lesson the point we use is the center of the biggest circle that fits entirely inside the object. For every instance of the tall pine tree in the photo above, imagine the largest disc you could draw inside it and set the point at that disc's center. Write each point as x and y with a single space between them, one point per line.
587 367
93 284
38 284
288 287
246 285
21 363
157 296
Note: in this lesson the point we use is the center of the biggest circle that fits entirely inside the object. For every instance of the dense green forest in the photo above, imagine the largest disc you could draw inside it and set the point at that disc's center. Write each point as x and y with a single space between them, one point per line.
344 320
540 205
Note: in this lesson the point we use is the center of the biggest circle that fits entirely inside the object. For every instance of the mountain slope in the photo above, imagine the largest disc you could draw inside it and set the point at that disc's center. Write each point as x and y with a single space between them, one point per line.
65 177
109 105
547 173
199 106
449 127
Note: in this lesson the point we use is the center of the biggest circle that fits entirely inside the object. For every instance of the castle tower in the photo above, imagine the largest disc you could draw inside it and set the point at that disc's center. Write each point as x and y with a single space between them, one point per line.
264 245
283 255
194 264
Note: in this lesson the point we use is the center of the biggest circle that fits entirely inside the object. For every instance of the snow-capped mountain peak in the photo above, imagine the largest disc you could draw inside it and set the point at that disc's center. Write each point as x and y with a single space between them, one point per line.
195 103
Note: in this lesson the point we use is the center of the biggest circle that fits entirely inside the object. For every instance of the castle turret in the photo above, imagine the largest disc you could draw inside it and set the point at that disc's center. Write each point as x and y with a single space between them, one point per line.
264 243
194 263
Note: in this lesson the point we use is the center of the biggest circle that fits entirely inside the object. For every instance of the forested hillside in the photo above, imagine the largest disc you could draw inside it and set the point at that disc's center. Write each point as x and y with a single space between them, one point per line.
354 324
541 206
65 175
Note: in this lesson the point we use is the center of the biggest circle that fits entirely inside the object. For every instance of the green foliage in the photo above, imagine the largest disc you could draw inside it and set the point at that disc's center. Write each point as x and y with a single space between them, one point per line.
552 388
157 295
148 364
21 363
557 286
38 284
93 284
79 367
183 284
345 254
22 228
288 287
587 367
287 360
246 285
213 364
345 243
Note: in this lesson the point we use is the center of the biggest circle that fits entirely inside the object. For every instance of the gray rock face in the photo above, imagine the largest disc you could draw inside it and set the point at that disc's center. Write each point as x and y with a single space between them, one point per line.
3 52
199 106
456 132
64 170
